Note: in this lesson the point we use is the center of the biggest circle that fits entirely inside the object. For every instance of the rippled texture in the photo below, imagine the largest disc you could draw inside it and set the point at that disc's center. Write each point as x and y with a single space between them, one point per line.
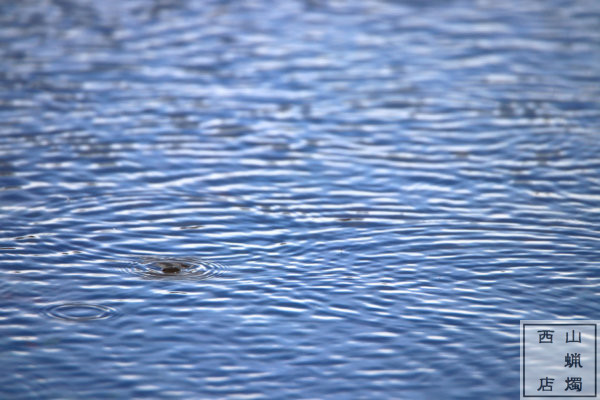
376 191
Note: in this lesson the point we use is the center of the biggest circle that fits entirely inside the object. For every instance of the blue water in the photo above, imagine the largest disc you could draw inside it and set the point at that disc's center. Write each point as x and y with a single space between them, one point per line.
292 200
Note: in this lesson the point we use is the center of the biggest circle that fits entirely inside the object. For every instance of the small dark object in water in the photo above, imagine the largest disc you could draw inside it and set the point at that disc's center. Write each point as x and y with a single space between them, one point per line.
175 268
172 267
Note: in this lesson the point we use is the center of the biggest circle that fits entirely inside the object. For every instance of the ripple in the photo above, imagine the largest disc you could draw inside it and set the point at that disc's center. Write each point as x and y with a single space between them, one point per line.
174 268
11 388
79 312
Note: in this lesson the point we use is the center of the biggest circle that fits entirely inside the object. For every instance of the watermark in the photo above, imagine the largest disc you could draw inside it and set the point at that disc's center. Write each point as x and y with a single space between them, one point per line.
559 359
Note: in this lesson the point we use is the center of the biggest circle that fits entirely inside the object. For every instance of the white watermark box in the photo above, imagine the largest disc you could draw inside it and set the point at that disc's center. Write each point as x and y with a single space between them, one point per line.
559 359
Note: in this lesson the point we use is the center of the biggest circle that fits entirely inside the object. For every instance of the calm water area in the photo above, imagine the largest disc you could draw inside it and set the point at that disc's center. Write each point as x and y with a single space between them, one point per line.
335 199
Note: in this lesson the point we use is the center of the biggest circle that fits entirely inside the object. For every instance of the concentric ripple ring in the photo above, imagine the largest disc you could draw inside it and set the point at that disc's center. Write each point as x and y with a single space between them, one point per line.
79 312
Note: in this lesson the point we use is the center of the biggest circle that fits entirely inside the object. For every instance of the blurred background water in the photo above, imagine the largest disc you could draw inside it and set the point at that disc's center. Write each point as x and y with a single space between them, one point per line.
353 199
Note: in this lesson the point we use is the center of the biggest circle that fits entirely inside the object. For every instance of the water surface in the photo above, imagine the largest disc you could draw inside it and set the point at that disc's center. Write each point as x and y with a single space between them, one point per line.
295 199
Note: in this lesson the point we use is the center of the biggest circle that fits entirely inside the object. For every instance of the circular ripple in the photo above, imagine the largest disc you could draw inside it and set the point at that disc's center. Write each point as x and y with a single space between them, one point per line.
79 312
175 268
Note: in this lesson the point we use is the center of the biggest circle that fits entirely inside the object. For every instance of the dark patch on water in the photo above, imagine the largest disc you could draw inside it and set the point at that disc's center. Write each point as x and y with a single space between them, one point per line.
190 268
